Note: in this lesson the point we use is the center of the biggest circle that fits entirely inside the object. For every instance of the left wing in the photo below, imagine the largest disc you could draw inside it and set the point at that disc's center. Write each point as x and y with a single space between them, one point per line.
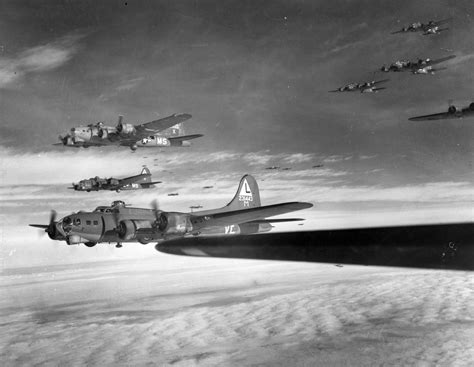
438 246
435 116
153 127
246 215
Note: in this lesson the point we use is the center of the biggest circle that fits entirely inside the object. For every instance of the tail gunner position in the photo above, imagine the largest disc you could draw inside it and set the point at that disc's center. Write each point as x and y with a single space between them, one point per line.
119 223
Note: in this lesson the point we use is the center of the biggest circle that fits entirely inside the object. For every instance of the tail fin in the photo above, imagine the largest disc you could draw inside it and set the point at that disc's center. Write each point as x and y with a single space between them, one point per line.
247 195
175 130
145 171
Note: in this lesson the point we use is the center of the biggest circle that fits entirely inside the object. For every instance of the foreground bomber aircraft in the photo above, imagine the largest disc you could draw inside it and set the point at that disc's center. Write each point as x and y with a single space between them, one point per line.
421 66
119 223
452 113
141 181
432 27
165 132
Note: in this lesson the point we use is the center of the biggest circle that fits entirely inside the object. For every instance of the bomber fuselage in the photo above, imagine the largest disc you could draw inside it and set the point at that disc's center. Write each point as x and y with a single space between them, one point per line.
118 223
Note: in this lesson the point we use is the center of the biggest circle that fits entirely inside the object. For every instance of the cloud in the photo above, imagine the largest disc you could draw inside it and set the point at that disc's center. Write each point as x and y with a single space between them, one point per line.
236 312
38 59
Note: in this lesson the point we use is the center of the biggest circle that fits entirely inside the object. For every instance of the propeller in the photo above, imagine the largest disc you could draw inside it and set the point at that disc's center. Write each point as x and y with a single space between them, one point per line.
451 107
119 124
50 229
161 221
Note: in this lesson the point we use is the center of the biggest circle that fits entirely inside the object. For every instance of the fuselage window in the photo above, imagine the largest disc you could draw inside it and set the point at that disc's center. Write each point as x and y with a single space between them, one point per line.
77 222
96 223
88 222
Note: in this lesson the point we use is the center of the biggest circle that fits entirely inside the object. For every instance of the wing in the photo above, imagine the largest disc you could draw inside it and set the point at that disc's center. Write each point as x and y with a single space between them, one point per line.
246 215
91 143
400 31
439 246
442 21
443 59
153 127
380 81
435 116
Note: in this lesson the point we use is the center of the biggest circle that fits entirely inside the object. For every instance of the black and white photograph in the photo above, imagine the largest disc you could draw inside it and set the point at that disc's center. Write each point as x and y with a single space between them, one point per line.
236 183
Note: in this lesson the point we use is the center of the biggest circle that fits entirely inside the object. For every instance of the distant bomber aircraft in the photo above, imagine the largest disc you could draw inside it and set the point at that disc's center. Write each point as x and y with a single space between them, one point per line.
366 87
119 223
422 66
432 27
452 113
165 132
141 181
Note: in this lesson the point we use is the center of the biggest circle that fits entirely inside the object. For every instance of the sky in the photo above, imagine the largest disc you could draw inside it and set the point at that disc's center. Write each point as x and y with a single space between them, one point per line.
255 76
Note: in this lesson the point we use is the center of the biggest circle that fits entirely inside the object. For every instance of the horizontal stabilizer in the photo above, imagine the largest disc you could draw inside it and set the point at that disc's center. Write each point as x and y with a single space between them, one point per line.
282 220
185 137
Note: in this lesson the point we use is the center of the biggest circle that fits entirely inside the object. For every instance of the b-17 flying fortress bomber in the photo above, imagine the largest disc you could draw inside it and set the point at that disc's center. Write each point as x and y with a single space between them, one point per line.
162 133
366 87
120 223
452 113
432 27
141 181
421 66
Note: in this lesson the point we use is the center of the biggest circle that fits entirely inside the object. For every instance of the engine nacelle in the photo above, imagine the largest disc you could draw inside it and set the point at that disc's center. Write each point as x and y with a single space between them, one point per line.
127 229
452 109
174 223
125 129
471 106
103 133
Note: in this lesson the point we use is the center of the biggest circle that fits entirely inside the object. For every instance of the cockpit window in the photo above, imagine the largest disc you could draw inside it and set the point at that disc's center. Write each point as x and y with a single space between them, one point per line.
77 221
67 220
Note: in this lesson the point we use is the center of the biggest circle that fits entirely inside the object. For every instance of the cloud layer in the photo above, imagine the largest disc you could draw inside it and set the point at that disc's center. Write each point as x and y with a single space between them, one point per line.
225 312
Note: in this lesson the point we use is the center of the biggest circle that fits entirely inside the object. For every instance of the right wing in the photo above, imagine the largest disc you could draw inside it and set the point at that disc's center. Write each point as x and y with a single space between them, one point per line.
246 215
380 81
153 127
443 59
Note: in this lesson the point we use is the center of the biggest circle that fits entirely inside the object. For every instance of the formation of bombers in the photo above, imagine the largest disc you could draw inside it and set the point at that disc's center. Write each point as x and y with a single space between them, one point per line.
120 223
420 66
244 214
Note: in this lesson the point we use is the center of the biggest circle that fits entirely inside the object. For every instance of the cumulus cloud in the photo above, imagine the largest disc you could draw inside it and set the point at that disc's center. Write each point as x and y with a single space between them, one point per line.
234 312
38 59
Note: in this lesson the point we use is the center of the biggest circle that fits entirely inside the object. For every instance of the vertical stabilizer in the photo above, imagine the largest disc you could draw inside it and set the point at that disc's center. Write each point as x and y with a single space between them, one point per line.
247 195
145 171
